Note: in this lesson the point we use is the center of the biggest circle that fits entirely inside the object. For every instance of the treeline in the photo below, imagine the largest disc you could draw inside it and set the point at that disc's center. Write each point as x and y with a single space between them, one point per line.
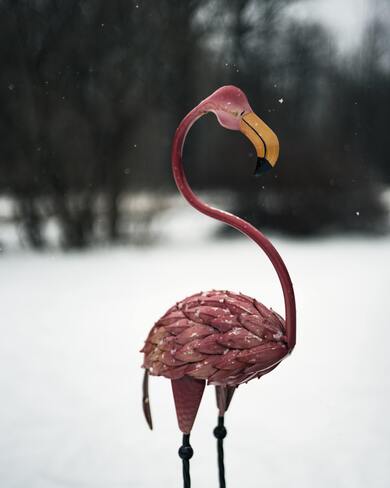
91 93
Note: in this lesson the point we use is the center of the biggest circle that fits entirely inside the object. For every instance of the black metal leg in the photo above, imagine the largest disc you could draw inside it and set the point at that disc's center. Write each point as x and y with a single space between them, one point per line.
220 433
186 452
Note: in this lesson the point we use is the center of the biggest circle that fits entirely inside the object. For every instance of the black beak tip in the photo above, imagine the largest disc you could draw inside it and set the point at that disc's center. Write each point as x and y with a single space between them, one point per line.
262 166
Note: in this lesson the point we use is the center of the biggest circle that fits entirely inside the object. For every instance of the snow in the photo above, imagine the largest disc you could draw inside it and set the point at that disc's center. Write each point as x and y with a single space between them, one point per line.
70 377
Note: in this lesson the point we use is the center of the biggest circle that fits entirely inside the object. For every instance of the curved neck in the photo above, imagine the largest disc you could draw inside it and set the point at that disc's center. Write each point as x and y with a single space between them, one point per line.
233 221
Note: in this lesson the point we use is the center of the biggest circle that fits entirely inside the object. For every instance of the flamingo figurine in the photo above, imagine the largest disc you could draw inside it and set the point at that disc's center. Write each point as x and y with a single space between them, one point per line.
219 337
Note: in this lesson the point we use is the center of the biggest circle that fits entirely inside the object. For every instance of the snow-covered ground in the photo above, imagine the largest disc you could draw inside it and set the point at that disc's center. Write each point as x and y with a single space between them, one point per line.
70 377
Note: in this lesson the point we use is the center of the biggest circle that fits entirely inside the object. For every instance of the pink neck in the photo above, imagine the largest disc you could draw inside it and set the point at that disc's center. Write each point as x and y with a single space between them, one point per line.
232 220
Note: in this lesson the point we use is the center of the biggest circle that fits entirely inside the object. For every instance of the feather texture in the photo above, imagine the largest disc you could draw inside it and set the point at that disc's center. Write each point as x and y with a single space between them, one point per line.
218 336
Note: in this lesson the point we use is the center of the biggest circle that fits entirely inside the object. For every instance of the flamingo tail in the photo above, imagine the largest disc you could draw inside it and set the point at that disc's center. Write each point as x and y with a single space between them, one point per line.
145 399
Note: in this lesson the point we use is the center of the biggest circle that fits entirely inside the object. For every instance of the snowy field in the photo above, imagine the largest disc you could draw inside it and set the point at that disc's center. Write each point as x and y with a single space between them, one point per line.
70 377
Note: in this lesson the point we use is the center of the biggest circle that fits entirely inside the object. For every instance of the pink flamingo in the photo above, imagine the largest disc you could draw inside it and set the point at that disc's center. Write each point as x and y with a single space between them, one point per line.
220 337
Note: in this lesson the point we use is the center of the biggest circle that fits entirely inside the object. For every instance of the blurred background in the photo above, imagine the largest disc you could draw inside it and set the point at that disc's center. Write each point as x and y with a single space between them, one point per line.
91 93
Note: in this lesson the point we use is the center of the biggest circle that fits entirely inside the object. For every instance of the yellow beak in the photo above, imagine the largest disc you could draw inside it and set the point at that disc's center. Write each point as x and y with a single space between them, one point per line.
263 138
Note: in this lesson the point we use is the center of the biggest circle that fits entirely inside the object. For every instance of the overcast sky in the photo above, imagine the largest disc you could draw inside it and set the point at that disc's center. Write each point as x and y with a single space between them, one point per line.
346 18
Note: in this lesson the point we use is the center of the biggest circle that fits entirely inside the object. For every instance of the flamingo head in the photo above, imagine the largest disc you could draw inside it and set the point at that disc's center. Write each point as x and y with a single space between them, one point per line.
233 111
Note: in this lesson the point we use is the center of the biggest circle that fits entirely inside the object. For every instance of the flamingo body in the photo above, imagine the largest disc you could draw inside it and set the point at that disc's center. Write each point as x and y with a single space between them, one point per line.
221 337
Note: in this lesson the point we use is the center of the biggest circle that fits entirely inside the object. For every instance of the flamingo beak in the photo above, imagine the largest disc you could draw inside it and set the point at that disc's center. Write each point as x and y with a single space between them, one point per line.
264 139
